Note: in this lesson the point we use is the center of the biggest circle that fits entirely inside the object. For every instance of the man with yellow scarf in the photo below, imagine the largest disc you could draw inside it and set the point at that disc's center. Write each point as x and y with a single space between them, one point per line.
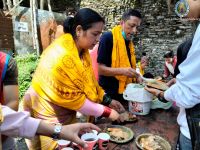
116 56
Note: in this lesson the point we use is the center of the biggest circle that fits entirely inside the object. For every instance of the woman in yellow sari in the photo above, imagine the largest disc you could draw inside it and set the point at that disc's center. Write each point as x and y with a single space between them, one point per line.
64 81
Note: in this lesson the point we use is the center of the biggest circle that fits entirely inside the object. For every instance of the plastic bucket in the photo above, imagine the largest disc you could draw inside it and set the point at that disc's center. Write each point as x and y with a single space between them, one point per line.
139 99
139 108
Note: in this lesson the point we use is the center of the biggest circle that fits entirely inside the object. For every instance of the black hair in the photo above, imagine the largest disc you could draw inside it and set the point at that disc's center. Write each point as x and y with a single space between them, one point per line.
169 54
131 12
67 25
182 52
85 17
144 54
148 75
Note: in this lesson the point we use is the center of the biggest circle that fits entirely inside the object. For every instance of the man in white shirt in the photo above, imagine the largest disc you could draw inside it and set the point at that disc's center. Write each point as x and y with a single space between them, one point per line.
186 91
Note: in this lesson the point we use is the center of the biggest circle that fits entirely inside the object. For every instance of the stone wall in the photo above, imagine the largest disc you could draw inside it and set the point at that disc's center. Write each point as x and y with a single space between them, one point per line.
159 31
110 9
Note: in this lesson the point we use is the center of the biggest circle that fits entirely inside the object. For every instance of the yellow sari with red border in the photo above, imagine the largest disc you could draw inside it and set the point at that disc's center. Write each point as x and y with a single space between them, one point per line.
60 86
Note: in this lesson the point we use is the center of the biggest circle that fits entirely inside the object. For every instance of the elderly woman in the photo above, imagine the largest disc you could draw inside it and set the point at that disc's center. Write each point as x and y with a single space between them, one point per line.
64 82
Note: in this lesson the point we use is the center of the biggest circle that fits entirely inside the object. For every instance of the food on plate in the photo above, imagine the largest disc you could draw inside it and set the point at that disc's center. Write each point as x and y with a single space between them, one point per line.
158 85
159 78
150 143
127 116
118 134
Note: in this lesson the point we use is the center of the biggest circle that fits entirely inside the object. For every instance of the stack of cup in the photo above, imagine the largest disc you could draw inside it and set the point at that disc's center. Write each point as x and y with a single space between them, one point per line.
96 142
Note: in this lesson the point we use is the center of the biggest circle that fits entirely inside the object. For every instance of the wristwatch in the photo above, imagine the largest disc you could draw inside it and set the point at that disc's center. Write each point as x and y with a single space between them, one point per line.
57 130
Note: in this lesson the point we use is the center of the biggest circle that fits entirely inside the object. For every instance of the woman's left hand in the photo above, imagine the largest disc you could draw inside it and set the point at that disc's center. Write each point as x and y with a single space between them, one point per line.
153 90
70 132
117 106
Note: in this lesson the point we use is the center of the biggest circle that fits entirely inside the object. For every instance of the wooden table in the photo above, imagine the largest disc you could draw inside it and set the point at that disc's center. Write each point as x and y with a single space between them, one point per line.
160 122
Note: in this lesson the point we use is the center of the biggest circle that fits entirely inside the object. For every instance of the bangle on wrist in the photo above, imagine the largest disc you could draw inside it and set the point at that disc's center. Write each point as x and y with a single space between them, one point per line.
106 112
106 100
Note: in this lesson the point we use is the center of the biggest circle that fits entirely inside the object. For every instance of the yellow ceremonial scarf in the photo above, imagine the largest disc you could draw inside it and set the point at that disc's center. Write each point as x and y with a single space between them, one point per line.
120 57
141 70
63 78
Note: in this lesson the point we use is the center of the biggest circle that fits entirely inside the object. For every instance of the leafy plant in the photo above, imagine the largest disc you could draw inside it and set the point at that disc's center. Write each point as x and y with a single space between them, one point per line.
26 66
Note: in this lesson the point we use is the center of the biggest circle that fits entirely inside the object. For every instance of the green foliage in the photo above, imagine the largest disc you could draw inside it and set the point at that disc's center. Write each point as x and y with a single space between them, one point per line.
26 66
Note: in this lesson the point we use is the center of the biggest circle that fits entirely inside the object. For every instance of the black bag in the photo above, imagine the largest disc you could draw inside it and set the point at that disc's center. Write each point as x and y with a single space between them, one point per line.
193 119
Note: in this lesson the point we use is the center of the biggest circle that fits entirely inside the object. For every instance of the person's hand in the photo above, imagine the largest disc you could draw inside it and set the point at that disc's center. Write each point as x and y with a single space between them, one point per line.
114 115
171 82
130 72
121 119
117 106
139 79
70 132
153 91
